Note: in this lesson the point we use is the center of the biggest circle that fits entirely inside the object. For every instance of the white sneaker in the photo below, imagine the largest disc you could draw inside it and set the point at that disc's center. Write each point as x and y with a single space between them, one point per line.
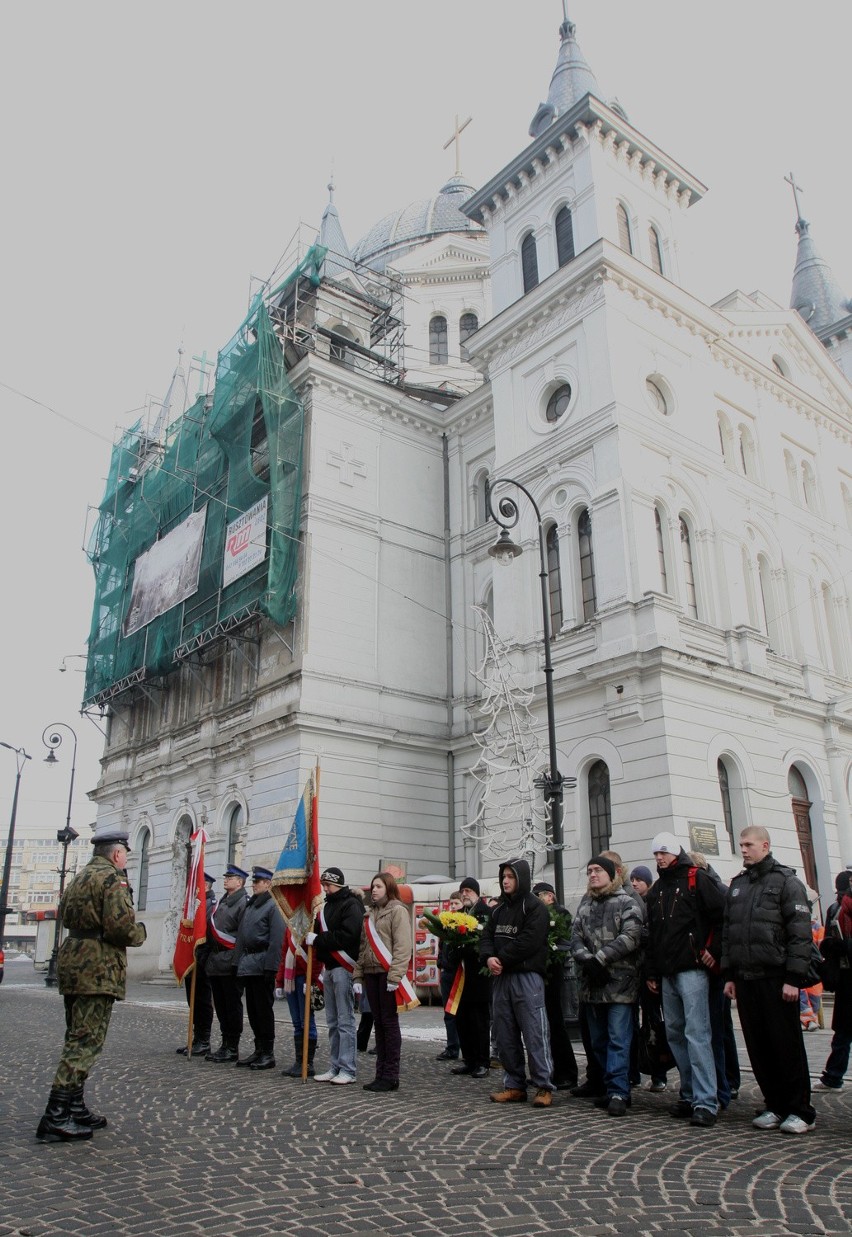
342 1079
767 1121
824 1086
795 1125
328 1076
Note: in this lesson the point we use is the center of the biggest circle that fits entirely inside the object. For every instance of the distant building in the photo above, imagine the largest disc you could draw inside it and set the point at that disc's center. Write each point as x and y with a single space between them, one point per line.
693 466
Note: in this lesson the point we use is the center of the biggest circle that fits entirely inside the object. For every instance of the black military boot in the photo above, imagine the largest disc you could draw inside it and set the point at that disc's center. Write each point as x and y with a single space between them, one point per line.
81 1114
312 1051
295 1070
200 1047
255 1056
362 1036
227 1054
57 1124
265 1058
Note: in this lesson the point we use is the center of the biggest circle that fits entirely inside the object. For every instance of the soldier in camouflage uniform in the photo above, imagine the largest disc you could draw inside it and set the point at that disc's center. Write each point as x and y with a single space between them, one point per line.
97 911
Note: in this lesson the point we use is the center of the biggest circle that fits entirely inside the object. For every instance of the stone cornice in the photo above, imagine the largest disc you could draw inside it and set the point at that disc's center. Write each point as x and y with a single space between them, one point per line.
365 393
588 119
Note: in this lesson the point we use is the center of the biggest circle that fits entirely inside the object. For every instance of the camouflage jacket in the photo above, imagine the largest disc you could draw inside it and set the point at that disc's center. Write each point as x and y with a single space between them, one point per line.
98 902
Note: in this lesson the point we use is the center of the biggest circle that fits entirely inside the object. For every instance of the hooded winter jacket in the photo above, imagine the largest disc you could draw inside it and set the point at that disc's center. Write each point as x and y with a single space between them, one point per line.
516 931
767 929
608 926
344 918
684 917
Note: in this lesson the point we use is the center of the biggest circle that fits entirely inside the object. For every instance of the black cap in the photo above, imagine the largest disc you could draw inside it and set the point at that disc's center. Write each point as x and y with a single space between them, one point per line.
543 887
602 862
333 876
211 880
470 882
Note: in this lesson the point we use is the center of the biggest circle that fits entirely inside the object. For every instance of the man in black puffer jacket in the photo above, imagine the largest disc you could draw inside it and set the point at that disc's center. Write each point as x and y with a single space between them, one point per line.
766 948
514 948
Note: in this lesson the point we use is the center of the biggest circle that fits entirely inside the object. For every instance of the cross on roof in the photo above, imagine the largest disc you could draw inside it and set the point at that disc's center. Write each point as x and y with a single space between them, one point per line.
204 362
797 189
456 138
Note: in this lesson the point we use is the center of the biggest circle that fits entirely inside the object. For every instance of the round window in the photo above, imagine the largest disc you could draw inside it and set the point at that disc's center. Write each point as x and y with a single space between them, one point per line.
558 403
656 396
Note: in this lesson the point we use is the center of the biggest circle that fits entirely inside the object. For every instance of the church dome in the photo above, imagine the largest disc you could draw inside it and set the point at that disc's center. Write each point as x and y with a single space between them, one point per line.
403 229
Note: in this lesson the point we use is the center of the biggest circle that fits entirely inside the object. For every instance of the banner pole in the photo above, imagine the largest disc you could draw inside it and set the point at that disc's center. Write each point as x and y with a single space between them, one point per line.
306 1024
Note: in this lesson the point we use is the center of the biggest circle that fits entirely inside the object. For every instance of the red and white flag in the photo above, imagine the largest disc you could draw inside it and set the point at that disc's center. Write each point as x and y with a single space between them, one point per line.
192 929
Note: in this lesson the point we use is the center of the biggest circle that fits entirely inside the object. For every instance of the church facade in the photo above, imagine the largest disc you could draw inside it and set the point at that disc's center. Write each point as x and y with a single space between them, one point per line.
692 465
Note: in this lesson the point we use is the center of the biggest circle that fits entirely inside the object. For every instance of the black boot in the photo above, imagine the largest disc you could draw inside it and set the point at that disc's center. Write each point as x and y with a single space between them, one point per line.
255 1056
265 1059
81 1114
295 1070
227 1054
200 1047
57 1124
362 1037
312 1049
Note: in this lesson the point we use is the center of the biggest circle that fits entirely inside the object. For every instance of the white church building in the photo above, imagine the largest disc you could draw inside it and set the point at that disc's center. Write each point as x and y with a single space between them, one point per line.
692 464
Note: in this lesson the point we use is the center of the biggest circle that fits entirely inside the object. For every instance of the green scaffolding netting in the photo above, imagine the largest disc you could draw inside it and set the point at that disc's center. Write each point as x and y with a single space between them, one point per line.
226 457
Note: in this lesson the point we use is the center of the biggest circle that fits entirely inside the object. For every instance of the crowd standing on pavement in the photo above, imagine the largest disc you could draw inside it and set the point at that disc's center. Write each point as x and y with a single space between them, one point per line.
657 961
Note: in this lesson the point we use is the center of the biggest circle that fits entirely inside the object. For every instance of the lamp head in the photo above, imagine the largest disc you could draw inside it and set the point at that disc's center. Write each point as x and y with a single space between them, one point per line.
50 758
504 550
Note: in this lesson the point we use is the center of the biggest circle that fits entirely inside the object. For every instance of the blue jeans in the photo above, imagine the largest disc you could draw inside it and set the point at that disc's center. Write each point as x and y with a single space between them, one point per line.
611 1033
686 1008
340 1020
296 1005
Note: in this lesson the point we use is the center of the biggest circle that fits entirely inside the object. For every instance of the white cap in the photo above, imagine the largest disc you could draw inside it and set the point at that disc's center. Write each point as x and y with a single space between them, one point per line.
667 843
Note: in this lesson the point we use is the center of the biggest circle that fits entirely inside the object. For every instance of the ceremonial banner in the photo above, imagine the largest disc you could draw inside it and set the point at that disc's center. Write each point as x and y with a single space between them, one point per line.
295 884
192 929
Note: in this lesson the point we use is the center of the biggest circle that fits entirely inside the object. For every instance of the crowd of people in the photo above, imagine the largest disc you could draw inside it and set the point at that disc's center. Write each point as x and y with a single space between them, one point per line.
657 961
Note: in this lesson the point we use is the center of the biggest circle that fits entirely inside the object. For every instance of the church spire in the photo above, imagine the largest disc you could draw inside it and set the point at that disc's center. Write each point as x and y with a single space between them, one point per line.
572 79
816 296
338 260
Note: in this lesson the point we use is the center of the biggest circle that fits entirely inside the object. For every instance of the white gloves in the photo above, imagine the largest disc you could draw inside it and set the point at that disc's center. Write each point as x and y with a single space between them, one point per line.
392 987
279 994
357 988
310 938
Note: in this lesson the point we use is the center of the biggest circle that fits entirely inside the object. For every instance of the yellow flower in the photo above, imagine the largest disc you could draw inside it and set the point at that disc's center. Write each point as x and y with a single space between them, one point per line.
458 921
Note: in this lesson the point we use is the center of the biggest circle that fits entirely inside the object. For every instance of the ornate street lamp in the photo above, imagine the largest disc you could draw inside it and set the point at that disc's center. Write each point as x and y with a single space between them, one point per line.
53 740
505 551
20 757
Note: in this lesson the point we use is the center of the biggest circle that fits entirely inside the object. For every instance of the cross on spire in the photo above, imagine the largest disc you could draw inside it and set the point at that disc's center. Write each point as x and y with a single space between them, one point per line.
797 189
457 139
204 363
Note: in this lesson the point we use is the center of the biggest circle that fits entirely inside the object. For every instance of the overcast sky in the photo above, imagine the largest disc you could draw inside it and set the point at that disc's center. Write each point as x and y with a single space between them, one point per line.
157 157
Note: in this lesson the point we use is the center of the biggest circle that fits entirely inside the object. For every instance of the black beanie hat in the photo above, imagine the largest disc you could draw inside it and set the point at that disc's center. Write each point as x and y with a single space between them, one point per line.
843 881
602 862
470 882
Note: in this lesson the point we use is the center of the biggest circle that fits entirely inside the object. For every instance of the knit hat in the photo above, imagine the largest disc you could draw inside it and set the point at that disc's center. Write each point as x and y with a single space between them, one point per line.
667 843
470 882
543 887
607 865
641 873
333 876
843 882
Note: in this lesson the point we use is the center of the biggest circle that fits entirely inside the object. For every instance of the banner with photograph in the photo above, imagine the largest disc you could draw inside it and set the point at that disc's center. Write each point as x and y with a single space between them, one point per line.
166 574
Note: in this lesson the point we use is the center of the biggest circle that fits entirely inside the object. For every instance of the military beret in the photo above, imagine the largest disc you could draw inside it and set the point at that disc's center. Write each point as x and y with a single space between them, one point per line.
261 874
118 837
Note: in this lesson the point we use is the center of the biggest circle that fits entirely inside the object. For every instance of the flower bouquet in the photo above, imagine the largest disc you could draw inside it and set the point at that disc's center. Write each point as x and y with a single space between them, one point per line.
558 936
452 927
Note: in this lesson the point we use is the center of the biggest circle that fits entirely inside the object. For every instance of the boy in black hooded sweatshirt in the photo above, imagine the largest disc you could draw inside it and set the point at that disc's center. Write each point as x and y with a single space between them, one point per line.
514 948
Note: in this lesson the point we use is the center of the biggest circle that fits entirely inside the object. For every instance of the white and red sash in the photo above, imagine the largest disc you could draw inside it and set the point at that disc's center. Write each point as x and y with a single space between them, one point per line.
406 997
221 938
339 955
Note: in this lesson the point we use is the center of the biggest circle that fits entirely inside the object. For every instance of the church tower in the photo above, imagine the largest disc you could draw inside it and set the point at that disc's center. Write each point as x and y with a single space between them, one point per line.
817 298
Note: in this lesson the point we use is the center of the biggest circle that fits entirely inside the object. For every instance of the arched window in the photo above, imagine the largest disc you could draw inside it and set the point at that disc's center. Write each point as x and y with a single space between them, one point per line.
727 809
656 250
792 476
767 600
747 457
846 495
438 347
554 580
625 240
587 564
564 226
235 825
488 603
835 643
691 598
480 509
661 551
468 325
338 351
600 812
657 396
809 486
529 262
144 864
726 439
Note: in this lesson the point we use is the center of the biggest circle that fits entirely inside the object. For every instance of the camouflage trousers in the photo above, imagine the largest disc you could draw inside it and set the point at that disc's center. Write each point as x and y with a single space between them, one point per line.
86 1024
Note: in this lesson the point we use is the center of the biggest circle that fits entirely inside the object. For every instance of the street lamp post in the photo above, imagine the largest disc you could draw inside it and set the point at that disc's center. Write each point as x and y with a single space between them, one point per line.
505 551
20 757
53 740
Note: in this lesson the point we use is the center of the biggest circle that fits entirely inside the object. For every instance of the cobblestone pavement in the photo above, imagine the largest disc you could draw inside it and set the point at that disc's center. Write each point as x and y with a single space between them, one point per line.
194 1148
